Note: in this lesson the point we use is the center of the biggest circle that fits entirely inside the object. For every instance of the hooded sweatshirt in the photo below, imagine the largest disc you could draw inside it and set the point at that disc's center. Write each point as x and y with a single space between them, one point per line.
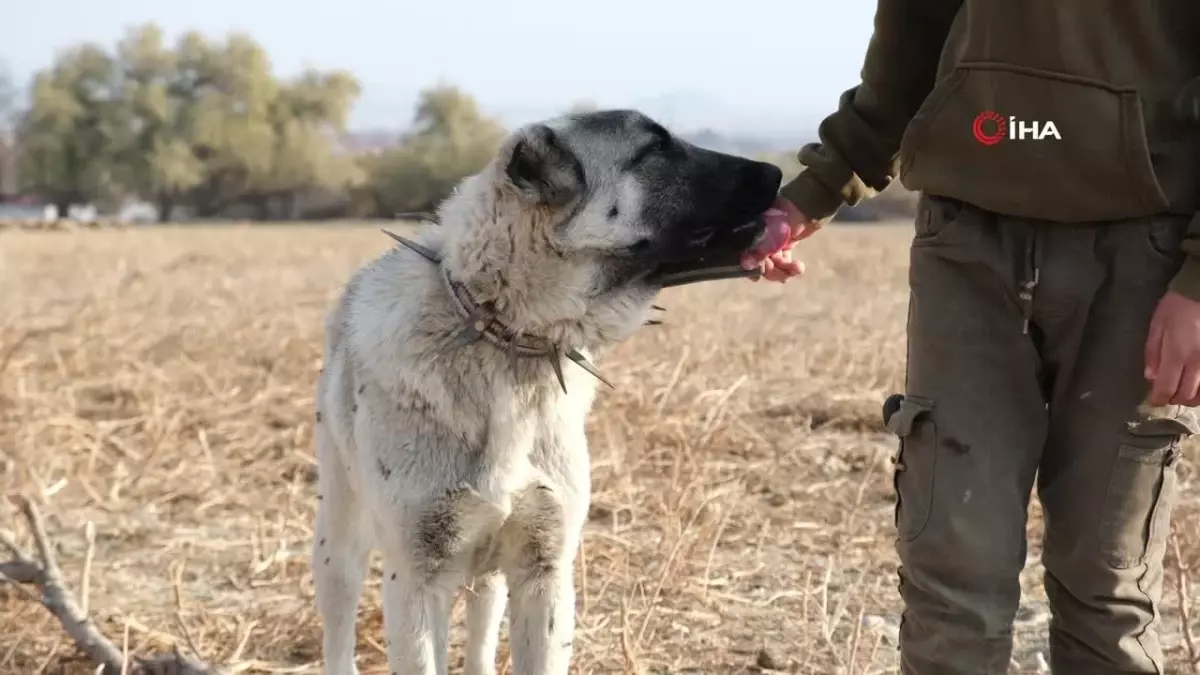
1071 111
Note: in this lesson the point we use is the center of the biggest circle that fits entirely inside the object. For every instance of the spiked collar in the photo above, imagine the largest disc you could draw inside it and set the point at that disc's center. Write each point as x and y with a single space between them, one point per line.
480 323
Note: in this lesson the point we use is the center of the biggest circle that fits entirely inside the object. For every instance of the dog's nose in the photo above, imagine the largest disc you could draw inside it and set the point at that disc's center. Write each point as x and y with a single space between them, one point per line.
758 185
770 174
755 176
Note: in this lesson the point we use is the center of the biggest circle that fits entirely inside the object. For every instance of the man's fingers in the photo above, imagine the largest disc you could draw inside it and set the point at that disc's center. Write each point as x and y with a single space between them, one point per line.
784 266
790 268
768 270
1154 345
779 266
1166 379
806 230
775 273
1189 385
801 225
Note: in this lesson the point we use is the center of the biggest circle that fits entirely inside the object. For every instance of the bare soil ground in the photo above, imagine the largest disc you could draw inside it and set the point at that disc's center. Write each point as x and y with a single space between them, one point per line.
158 383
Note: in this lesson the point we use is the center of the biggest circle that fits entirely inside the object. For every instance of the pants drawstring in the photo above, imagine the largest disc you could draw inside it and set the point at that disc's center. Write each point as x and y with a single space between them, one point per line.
1032 277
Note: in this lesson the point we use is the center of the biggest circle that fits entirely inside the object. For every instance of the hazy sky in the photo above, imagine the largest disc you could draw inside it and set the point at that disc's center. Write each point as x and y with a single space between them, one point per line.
755 61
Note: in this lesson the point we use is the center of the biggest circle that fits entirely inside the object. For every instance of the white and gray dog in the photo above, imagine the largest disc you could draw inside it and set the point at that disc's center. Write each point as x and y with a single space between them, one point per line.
450 412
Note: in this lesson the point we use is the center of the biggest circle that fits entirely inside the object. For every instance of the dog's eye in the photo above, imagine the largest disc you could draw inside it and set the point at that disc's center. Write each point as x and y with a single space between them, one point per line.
659 147
640 246
665 146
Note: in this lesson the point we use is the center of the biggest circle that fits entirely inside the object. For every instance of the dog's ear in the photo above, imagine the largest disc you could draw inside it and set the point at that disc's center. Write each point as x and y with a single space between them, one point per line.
542 170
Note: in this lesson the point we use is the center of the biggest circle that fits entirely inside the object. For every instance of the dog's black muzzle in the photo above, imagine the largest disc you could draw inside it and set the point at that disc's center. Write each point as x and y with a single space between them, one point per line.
727 229
711 263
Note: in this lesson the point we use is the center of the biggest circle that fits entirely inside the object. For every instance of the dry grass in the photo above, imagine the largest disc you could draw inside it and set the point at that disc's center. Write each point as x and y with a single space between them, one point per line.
158 384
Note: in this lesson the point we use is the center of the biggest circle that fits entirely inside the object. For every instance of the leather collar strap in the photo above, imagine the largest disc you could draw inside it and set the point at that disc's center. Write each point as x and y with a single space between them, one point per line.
480 322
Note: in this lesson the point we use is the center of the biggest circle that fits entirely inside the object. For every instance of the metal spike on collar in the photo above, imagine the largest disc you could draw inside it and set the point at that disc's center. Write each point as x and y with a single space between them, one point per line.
582 362
555 357
661 309
652 322
413 246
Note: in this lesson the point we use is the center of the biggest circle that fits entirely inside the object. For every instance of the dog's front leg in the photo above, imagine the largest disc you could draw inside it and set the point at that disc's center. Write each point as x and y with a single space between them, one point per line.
538 560
416 618
485 610
542 621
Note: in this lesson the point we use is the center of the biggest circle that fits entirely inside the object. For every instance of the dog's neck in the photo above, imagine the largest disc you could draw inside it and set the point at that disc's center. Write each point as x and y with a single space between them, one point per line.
480 321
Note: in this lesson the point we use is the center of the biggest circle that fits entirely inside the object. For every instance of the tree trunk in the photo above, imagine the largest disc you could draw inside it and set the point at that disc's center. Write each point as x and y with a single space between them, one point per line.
166 204
293 205
206 199
263 206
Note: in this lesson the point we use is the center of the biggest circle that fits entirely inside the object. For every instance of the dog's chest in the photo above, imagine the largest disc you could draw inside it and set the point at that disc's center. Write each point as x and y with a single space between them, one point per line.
543 425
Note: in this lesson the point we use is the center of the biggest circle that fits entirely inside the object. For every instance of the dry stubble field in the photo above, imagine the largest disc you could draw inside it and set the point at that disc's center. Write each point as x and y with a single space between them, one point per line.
158 383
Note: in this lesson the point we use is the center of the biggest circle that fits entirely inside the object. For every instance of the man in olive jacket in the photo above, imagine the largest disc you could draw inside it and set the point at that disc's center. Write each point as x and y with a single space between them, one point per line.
1054 321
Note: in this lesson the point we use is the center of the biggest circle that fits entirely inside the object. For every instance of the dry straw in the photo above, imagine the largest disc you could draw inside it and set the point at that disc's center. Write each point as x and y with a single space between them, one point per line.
156 409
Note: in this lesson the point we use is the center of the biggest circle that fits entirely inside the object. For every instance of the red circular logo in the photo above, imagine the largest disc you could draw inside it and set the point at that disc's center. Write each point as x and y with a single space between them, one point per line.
999 127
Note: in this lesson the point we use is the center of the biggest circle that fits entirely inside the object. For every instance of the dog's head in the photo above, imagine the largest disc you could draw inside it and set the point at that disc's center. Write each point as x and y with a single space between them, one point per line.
578 222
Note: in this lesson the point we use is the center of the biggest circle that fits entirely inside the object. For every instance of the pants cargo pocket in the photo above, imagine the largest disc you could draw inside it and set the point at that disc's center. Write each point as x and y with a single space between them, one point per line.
910 418
1141 487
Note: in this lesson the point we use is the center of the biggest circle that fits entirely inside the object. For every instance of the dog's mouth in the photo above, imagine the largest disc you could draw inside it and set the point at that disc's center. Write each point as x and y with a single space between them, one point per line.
717 254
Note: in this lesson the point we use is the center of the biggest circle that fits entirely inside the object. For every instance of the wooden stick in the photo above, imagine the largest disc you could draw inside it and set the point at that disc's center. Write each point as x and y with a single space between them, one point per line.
60 601
57 598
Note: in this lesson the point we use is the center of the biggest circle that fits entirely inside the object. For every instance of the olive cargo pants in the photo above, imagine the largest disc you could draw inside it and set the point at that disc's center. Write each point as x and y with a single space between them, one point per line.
1025 361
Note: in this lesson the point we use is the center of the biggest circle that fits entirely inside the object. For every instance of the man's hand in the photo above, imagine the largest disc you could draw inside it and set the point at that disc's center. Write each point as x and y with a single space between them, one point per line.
773 256
1173 352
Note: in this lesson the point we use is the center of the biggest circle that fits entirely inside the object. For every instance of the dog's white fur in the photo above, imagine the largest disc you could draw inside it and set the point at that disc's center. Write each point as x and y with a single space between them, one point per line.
458 469
461 468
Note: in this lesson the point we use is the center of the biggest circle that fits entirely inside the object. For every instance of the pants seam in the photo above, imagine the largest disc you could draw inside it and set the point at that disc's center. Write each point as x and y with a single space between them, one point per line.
1155 617
1156 609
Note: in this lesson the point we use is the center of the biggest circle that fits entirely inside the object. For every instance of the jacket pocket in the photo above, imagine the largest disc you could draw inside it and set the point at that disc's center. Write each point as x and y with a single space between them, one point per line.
1164 237
935 218
910 418
1099 168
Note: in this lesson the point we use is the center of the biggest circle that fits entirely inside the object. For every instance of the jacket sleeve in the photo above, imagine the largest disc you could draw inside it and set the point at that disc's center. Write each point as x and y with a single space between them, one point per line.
857 154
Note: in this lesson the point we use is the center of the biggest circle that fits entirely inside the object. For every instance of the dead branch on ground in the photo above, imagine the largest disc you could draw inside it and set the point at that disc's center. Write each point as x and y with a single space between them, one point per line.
57 598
